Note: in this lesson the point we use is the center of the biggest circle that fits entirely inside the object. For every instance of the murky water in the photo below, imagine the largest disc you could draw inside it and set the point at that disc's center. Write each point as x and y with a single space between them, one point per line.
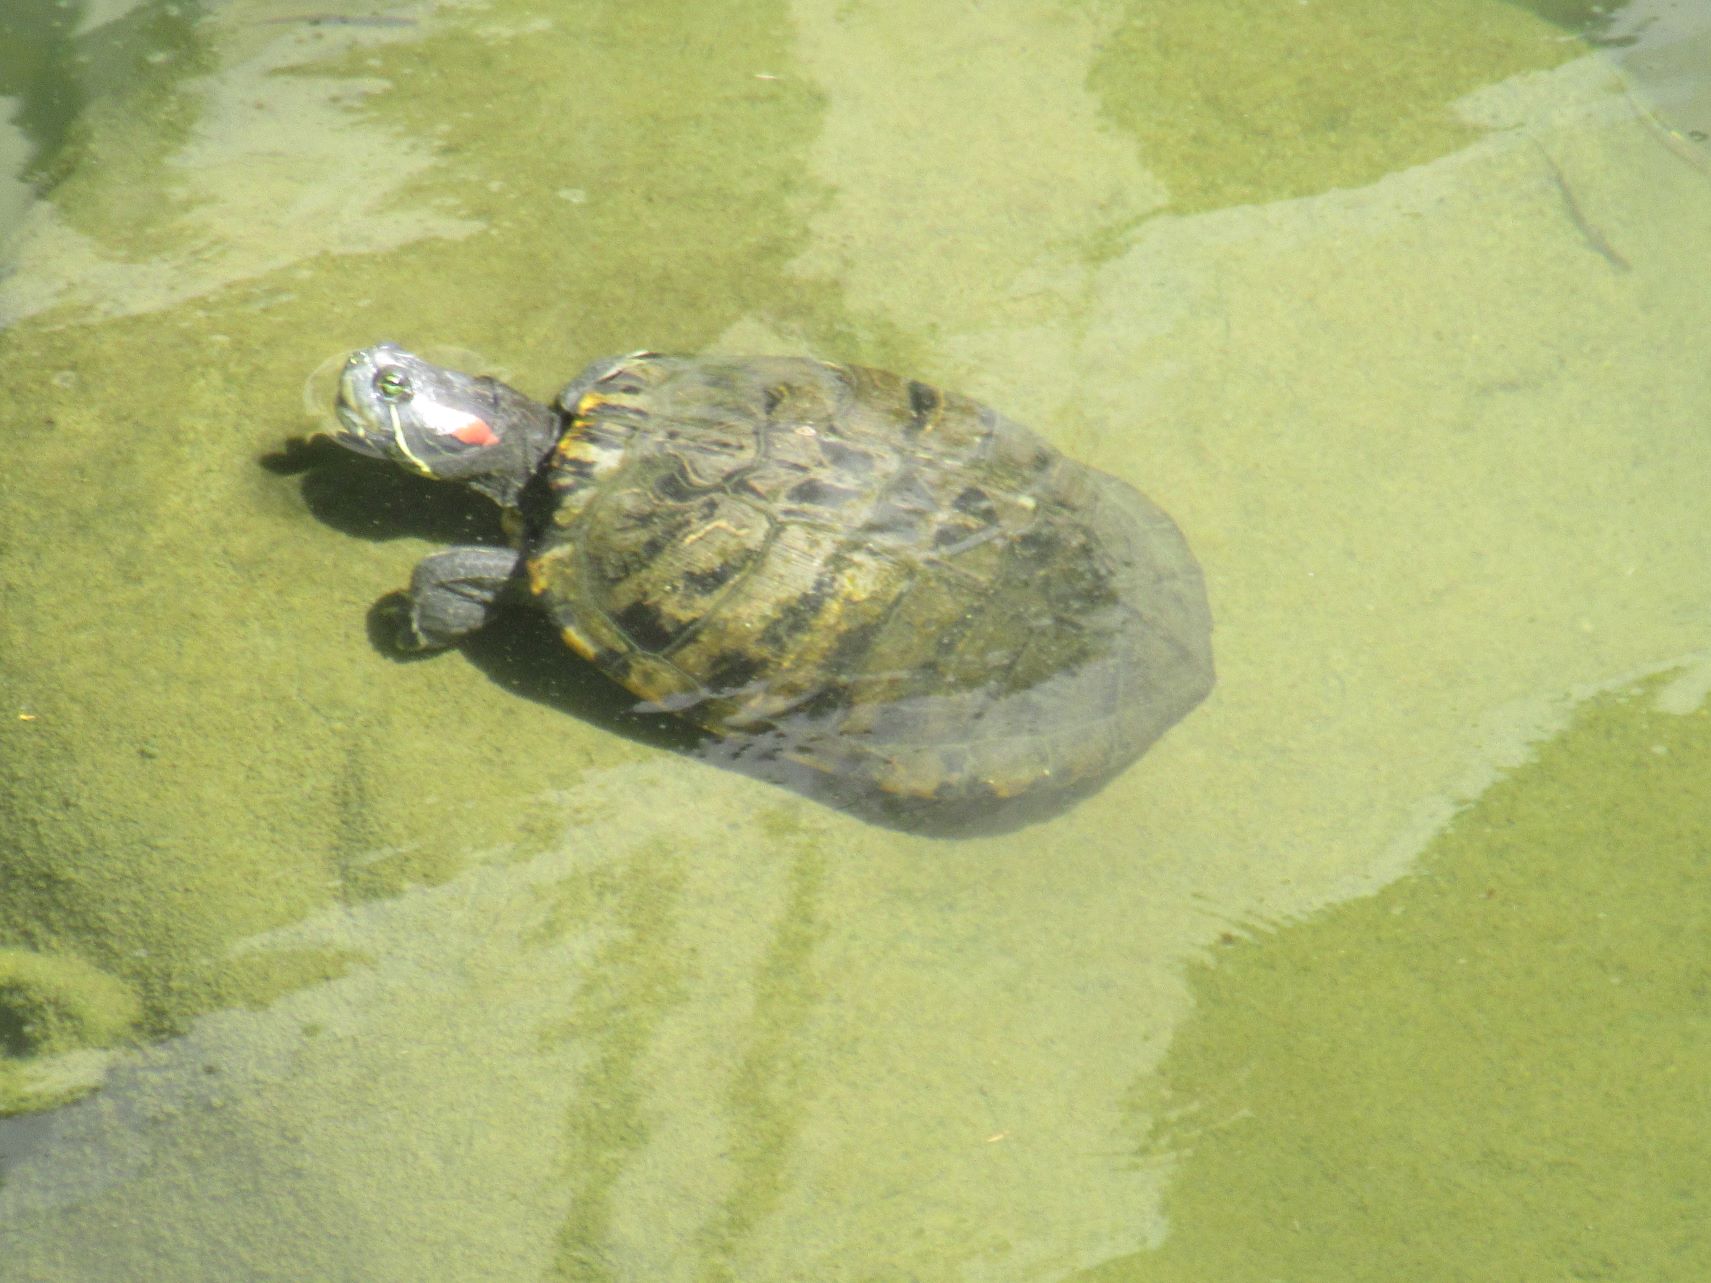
1386 963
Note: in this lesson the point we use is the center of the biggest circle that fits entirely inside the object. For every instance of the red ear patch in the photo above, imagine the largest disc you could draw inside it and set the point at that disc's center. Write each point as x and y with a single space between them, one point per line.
475 432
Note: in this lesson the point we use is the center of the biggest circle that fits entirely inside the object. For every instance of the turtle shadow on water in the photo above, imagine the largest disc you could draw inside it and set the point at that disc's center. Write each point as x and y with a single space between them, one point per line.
379 501
522 653
519 651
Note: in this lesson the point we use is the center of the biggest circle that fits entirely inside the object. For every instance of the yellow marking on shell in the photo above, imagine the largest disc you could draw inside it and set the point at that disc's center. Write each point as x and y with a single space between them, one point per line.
589 402
571 446
575 640
709 528
537 577
653 681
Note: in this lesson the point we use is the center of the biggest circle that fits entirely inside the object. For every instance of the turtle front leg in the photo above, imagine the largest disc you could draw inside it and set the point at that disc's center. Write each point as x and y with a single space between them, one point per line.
455 592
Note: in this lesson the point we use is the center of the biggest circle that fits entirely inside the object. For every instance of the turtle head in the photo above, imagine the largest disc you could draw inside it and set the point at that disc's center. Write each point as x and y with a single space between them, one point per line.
440 423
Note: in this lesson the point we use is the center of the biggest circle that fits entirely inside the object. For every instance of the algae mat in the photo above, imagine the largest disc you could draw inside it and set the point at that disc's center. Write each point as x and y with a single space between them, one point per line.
1377 1047
316 964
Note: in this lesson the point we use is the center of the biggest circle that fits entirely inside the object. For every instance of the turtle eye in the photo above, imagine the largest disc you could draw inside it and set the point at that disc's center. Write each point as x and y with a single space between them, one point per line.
392 383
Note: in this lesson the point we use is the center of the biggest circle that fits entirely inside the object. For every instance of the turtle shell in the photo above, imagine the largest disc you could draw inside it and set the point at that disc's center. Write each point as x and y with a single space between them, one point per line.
888 583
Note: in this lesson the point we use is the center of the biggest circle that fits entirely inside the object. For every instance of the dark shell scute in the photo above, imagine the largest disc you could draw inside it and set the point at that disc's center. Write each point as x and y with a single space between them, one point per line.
890 584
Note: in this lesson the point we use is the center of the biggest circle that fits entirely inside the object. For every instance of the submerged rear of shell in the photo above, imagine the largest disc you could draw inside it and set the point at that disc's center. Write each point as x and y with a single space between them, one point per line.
867 576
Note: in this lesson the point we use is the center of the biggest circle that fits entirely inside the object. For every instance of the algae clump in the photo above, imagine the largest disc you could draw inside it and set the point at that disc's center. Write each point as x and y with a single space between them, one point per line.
57 1014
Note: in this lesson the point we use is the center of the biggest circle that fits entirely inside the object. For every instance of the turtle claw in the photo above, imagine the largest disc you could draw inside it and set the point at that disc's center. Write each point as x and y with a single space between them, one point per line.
391 630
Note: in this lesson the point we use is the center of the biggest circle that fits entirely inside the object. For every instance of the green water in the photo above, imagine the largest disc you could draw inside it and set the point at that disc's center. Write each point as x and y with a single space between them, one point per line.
1388 963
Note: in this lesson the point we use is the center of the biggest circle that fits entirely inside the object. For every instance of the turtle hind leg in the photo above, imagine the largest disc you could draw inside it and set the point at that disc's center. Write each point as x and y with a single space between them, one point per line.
455 592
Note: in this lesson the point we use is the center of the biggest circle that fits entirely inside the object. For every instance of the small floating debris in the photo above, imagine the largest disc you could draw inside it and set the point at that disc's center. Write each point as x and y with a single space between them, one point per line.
341 20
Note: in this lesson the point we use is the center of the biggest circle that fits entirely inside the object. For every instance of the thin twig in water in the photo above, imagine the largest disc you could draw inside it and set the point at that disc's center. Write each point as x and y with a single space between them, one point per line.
1593 237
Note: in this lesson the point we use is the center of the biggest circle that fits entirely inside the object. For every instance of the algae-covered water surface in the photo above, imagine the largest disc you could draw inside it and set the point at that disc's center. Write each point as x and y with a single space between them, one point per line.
1389 962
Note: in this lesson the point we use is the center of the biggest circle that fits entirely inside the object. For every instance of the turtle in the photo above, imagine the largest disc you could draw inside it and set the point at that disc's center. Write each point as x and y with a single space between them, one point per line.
889 586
